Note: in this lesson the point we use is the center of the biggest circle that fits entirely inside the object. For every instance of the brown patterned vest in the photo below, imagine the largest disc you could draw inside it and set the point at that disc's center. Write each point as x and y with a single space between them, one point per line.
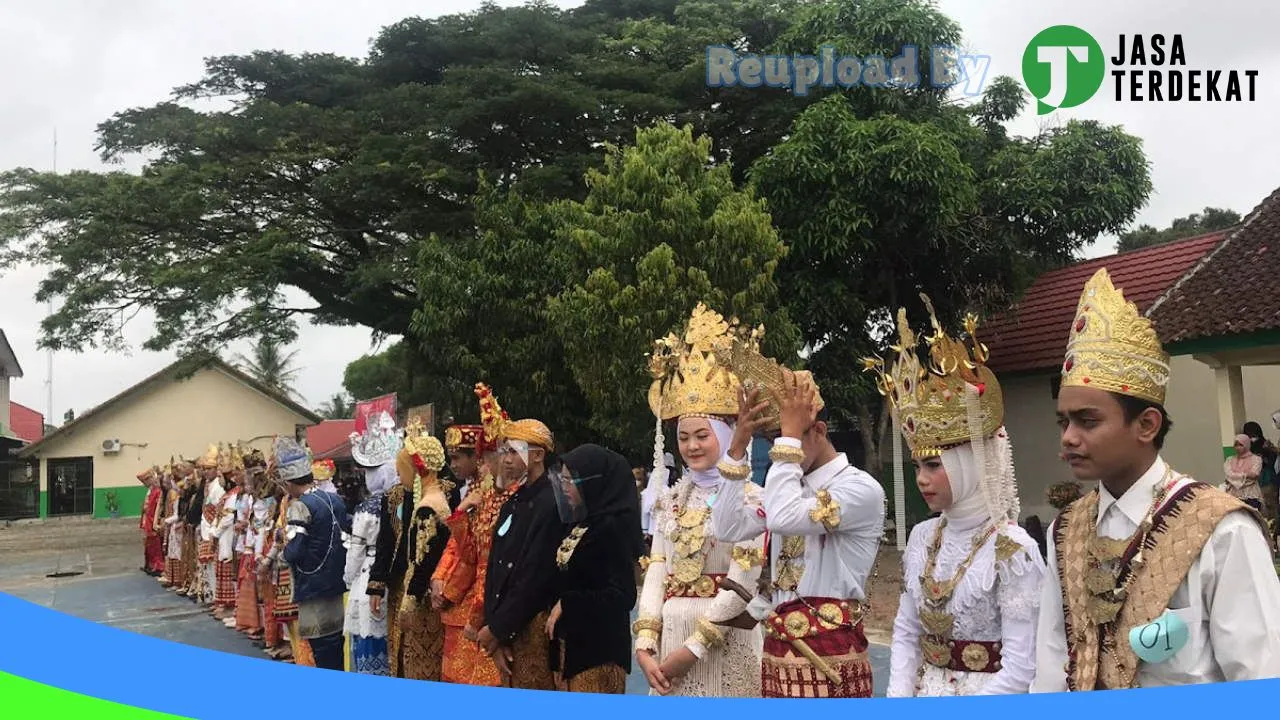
1179 531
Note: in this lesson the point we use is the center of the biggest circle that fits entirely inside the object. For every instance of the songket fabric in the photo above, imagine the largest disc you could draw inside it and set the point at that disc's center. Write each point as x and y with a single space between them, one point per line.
462 572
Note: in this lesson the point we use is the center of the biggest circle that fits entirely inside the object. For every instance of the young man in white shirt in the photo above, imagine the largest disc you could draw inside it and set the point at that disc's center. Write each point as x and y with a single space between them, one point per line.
1154 578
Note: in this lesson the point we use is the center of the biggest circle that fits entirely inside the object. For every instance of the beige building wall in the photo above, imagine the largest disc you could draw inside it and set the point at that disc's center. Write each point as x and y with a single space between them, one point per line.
5 421
171 418
1193 446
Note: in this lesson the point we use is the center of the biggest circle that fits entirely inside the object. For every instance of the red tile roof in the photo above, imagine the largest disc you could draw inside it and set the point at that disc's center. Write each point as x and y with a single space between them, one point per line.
27 423
1234 290
328 436
1034 335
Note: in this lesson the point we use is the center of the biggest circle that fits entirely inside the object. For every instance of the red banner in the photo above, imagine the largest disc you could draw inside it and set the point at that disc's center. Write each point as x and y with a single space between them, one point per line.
368 411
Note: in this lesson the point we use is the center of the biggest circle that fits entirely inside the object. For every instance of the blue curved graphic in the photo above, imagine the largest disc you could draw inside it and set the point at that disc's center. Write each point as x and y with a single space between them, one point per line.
102 662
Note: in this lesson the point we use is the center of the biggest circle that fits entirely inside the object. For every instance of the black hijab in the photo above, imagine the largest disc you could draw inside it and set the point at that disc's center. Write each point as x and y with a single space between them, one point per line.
1254 431
608 489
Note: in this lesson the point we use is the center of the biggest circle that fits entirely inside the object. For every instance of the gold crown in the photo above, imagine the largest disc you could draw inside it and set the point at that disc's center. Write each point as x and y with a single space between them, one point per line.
740 351
931 401
209 460
1113 347
418 442
687 379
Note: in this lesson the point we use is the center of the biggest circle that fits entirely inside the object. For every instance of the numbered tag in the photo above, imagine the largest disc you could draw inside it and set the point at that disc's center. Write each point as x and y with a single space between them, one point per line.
1159 640
502 531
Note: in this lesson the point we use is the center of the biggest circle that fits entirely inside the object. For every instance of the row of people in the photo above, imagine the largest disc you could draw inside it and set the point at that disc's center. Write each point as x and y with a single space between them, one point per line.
513 566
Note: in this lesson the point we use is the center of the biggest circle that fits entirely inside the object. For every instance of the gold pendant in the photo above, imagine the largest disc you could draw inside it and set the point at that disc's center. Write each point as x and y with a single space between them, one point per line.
692 518
935 652
937 623
1098 580
1103 611
687 570
935 590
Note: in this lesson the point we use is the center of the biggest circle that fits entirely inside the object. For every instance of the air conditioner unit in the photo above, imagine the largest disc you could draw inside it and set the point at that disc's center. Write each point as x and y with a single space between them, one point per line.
110 447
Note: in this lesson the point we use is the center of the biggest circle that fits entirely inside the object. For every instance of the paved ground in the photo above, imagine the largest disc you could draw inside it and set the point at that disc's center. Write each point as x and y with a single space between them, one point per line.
106 587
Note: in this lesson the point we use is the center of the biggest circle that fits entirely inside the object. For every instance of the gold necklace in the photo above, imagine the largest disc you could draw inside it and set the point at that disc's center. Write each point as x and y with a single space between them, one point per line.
1105 559
568 545
939 624
689 538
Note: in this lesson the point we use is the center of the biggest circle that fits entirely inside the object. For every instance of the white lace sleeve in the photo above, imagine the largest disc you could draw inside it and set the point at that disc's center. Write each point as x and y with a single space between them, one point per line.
1019 594
648 627
738 514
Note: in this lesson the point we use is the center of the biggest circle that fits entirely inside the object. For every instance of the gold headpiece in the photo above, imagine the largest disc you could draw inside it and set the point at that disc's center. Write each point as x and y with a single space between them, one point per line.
237 457
422 445
208 461
687 379
931 403
492 418
534 432
740 351
1113 347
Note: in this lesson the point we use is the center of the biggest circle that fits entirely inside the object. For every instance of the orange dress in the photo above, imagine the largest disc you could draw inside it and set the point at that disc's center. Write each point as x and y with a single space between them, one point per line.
462 571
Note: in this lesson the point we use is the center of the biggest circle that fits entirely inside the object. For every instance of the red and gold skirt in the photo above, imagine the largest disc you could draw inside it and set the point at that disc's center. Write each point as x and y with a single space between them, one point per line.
836 638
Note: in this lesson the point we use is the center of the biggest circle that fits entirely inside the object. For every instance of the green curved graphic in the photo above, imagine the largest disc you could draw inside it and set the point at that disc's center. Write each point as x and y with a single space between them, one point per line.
27 698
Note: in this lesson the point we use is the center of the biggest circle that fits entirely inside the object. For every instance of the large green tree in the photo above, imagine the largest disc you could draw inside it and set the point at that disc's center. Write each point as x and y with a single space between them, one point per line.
884 194
659 231
1209 220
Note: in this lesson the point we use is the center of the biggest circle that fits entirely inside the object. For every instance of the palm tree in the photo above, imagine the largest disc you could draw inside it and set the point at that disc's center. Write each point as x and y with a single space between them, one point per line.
338 407
270 366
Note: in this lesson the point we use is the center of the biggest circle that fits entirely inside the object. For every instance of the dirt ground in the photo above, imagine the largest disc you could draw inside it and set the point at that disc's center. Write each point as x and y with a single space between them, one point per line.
886 587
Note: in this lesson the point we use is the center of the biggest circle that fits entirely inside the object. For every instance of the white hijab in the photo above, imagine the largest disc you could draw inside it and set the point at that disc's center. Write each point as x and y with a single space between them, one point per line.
381 478
985 490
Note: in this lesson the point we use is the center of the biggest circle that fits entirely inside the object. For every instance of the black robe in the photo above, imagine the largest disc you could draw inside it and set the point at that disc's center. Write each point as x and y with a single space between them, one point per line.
521 578
597 589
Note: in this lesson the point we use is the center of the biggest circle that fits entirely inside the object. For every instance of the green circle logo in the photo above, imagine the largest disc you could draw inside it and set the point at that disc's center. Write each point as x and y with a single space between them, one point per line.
1063 67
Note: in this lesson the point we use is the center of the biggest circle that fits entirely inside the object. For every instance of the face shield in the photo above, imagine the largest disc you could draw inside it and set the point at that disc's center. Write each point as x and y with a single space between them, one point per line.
569 502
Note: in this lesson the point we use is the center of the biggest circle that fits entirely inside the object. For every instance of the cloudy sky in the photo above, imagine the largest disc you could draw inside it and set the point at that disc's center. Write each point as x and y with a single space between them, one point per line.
69 64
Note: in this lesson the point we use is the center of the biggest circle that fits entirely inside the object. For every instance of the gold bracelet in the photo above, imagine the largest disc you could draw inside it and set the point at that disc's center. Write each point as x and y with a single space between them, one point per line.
706 636
786 454
643 625
730 471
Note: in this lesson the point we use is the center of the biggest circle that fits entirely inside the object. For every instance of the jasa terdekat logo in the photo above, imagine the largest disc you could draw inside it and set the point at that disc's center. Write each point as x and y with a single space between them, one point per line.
1064 66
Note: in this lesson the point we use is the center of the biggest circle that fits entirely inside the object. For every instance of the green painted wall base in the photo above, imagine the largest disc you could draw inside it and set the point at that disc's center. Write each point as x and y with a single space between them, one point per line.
917 509
129 499
1228 452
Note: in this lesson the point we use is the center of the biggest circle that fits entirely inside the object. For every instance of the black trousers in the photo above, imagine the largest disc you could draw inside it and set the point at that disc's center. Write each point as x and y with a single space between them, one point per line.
327 651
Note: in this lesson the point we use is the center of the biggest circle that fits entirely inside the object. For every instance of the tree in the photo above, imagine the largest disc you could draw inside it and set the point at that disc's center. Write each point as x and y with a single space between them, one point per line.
1210 220
270 366
329 174
881 195
659 231
69 416
338 407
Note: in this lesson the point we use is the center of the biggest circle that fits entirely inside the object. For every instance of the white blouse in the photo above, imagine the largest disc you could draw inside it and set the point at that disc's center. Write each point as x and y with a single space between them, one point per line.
994 602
